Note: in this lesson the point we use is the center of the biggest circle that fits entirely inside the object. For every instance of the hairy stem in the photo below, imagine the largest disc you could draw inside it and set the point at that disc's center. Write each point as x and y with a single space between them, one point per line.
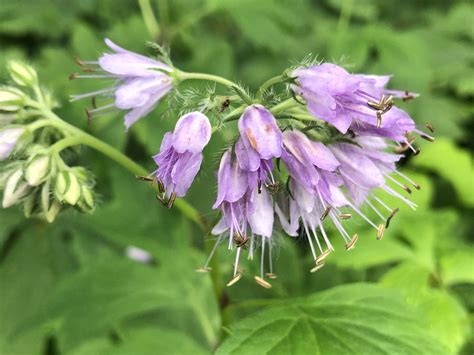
270 82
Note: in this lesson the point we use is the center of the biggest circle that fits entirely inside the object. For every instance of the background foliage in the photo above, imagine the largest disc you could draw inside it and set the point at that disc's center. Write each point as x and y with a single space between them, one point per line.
68 288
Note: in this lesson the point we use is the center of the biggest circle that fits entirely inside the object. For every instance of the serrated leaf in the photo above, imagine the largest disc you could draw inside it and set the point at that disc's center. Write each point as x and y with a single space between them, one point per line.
351 319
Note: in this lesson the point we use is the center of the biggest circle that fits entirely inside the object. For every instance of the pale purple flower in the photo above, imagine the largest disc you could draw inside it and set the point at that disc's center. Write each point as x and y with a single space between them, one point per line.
247 214
357 102
140 82
314 191
8 140
260 141
180 155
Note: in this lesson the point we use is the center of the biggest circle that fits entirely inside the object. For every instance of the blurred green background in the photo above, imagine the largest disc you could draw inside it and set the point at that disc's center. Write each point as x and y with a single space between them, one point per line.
67 288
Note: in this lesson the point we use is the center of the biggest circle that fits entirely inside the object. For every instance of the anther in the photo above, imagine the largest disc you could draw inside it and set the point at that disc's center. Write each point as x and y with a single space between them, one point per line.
164 203
203 269
73 76
234 280
271 275
161 186
324 255
262 282
325 213
94 102
144 178
317 267
430 127
171 200
352 243
79 61
345 216
394 212
427 138
407 96
379 119
407 189
380 231
259 186
88 70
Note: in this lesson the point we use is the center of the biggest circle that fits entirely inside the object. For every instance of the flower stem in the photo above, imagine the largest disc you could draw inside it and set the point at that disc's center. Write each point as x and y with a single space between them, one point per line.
217 79
284 105
272 81
149 18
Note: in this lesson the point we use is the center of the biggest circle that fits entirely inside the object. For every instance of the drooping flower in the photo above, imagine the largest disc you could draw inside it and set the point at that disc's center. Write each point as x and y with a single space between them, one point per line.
8 140
260 141
245 211
314 193
180 156
354 101
367 167
140 82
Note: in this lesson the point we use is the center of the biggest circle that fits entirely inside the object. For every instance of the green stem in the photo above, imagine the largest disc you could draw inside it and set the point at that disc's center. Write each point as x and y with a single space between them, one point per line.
149 18
182 76
284 105
272 81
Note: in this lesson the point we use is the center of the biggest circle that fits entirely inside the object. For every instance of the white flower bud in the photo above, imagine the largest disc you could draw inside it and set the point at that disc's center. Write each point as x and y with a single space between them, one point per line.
62 182
46 196
11 99
37 170
8 140
53 211
22 74
87 196
15 189
73 193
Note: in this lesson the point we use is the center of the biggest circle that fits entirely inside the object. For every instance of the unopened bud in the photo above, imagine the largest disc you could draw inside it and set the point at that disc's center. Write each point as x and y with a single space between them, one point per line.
46 196
22 74
53 211
88 197
37 170
11 99
68 188
15 189
8 140
29 205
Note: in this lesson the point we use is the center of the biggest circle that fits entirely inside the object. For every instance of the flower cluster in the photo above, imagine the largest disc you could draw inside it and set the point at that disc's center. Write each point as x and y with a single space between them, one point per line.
32 173
312 160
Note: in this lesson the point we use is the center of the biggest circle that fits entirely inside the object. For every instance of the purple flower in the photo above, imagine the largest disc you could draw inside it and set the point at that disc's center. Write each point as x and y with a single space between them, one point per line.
180 155
141 82
8 140
314 190
260 141
245 211
357 102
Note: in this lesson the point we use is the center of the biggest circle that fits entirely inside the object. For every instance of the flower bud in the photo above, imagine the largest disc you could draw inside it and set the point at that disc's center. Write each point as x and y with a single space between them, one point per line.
8 140
46 196
29 205
11 99
22 74
37 169
15 189
53 211
88 197
68 188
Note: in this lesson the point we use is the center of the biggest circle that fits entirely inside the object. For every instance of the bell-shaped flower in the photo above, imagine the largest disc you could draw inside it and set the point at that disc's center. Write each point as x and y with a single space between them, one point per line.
140 82
260 141
247 215
8 140
357 102
180 156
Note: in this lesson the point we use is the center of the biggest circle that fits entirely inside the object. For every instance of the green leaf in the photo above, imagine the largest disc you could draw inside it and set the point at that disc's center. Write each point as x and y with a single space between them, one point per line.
353 319
460 172
458 267
143 341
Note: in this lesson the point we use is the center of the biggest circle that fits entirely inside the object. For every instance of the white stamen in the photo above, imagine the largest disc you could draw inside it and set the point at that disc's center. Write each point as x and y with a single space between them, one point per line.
411 204
308 235
363 215
381 202
237 257
89 94
214 248
375 210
